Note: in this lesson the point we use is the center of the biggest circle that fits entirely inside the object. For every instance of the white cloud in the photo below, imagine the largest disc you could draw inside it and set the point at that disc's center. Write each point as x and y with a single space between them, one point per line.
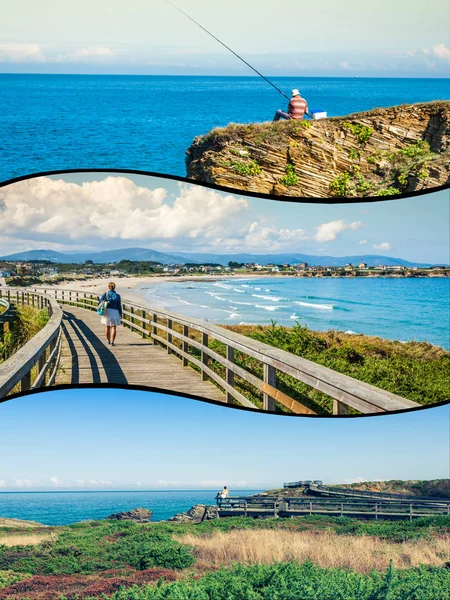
23 483
327 232
163 483
113 208
346 65
90 54
355 480
439 51
55 481
2 483
104 482
362 242
139 483
80 482
18 53
383 246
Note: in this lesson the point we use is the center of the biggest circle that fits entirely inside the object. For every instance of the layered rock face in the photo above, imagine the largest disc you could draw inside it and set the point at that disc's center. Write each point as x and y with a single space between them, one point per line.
382 152
196 514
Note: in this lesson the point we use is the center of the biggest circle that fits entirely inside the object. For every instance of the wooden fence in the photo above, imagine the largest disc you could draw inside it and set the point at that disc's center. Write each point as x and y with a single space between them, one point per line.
36 363
255 382
264 506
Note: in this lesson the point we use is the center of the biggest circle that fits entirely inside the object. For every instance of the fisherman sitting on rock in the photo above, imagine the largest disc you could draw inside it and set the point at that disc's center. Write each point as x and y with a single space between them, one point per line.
297 108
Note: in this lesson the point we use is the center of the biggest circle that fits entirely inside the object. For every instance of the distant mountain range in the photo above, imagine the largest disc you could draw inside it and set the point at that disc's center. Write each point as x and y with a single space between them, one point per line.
145 254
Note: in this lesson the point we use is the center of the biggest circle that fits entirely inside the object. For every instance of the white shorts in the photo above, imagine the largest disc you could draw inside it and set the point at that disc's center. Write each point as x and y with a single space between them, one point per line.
111 318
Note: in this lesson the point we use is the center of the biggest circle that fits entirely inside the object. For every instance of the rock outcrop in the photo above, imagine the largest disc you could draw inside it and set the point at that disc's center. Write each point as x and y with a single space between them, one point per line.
381 152
138 515
196 514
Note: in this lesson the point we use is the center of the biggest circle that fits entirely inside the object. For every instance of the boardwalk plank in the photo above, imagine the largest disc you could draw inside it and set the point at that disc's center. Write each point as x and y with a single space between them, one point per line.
86 358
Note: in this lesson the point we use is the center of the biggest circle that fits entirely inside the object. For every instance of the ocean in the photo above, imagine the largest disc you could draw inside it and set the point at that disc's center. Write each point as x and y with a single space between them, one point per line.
393 308
64 508
50 122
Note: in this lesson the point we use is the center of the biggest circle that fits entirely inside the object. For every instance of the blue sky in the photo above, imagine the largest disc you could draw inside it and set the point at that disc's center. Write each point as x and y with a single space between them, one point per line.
402 38
124 439
102 211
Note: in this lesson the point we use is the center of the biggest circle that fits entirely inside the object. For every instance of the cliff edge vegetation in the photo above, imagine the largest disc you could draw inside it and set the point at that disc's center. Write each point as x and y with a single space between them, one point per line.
382 152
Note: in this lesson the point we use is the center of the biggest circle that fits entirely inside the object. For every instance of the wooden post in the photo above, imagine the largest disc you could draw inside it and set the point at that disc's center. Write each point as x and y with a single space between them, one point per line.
144 324
339 408
41 363
185 344
245 507
342 509
154 328
410 512
169 335
310 507
230 374
25 384
204 355
275 512
376 511
131 318
270 377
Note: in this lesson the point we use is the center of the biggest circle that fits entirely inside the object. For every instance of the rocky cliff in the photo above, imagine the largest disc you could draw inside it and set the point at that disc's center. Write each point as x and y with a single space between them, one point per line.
196 514
381 152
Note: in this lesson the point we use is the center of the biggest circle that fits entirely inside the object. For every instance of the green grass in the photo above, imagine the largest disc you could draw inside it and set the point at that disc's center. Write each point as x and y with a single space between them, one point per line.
29 321
97 546
91 548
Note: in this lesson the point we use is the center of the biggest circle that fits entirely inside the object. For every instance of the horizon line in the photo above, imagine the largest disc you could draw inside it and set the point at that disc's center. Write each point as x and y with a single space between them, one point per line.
121 74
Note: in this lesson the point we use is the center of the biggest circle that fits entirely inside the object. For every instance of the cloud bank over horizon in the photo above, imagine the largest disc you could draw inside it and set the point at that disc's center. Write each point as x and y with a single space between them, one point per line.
22 57
115 211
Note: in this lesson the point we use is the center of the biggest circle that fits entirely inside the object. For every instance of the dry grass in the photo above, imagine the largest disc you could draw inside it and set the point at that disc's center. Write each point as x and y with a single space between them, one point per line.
25 539
327 550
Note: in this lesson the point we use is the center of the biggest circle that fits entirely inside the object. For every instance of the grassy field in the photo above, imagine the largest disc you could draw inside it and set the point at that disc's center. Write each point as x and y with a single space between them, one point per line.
315 558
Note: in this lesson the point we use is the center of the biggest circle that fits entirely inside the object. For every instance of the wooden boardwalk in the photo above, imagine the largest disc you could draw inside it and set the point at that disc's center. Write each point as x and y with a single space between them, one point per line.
86 358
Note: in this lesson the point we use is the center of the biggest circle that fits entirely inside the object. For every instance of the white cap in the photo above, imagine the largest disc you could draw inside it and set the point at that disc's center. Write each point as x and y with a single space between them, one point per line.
295 93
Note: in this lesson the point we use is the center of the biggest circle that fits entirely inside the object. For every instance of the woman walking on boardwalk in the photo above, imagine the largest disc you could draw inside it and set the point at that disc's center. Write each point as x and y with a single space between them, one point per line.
111 312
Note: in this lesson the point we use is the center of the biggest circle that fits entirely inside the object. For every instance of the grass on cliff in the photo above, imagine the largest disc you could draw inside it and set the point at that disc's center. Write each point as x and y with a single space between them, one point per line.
29 321
417 371
126 561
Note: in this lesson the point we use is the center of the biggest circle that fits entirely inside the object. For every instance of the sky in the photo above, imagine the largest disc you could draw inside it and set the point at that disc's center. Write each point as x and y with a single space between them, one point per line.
100 211
128 440
385 38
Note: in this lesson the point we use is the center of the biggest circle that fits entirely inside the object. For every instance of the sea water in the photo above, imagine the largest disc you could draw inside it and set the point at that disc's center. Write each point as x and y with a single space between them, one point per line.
50 122
64 508
401 309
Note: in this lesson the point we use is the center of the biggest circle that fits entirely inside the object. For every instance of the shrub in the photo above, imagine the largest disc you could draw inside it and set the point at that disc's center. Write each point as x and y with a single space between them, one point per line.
246 168
291 177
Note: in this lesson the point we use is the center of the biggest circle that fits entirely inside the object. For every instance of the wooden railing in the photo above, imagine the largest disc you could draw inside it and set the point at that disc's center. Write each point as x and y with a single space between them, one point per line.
203 346
264 506
36 363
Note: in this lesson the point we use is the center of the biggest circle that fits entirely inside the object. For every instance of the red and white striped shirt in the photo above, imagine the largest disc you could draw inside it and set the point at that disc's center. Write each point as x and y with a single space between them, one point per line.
297 108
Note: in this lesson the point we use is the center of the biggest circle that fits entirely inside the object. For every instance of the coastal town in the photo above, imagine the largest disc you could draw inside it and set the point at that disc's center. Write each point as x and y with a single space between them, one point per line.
18 273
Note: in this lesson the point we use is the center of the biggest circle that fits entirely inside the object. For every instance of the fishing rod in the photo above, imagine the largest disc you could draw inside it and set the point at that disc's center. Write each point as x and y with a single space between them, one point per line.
227 47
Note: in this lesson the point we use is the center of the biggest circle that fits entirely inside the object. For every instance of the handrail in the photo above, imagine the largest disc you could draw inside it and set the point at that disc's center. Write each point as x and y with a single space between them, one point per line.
367 509
42 351
345 391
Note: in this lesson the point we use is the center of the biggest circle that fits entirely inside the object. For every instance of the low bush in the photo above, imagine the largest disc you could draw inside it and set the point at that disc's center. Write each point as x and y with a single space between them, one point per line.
291 581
